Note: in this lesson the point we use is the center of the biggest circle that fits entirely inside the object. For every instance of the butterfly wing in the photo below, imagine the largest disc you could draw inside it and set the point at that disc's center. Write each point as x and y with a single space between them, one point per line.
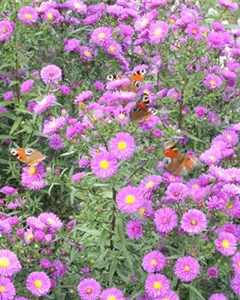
141 111
29 157
173 157
35 158
189 163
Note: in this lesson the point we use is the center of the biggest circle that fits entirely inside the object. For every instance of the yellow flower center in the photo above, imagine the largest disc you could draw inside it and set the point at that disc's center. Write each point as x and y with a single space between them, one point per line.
2 289
229 137
32 171
30 236
28 16
166 298
225 244
164 220
101 35
212 82
50 221
157 285
130 199
195 31
142 211
4 262
194 222
196 186
212 158
122 145
239 264
4 30
50 16
104 164
153 262
150 184
158 31
87 53
229 205
111 298
144 22
146 92
186 268
175 95
204 33
172 21
38 283
121 117
89 291
112 48
77 5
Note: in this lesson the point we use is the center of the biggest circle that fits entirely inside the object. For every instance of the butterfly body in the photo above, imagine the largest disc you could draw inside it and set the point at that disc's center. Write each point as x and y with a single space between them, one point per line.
177 163
141 111
28 156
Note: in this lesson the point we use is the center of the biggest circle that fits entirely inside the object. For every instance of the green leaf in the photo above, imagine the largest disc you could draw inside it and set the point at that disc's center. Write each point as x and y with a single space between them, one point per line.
16 125
112 270
103 238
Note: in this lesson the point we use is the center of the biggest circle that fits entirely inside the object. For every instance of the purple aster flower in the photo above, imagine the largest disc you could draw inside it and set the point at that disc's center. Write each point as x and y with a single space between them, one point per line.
6 30
236 263
153 262
50 127
84 162
28 15
51 74
200 111
100 35
150 183
65 90
98 85
70 225
217 296
175 94
45 263
124 96
235 284
77 6
31 174
156 285
212 82
231 5
104 165
56 142
7 289
9 263
118 83
38 283
89 289
86 53
217 40
58 269
143 22
16 203
129 199
211 156
229 137
8 190
165 219
194 31
186 268
83 96
194 221
134 229
27 86
8 96
170 295
43 105
122 146
212 272
177 192
112 293
50 220
226 243
21 298
78 176
112 48
158 32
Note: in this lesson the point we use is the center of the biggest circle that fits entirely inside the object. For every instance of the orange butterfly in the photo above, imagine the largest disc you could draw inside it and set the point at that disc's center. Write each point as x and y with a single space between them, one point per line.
177 163
135 81
28 156
141 111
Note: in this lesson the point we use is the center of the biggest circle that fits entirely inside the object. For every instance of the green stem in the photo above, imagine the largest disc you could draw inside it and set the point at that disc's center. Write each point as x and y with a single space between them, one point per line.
113 221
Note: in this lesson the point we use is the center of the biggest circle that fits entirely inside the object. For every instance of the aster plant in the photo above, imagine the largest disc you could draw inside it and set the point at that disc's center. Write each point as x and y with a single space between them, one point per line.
100 217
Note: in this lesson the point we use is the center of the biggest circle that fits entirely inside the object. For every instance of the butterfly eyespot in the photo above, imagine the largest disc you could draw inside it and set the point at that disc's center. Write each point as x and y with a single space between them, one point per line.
145 97
13 151
137 84
29 151
110 77
167 161
142 72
